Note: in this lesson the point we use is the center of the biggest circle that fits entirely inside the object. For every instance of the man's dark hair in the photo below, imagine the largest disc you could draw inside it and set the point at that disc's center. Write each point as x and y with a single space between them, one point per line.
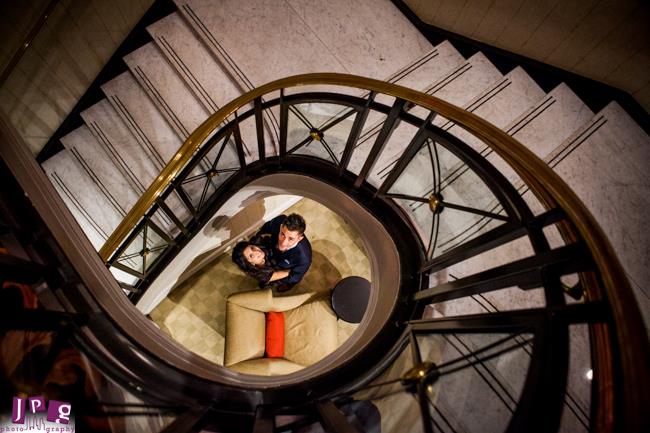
295 223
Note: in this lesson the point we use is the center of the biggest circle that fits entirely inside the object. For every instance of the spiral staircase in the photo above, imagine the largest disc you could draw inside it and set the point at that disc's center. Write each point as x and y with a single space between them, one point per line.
508 291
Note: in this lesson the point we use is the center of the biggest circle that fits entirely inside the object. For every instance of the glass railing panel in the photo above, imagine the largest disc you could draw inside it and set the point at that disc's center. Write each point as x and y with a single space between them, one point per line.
198 187
508 299
511 175
480 374
367 138
124 277
464 135
227 164
420 176
130 259
165 223
319 129
272 124
509 252
553 236
218 164
448 229
143 250
178 207
460 185
573 289
457 227
140 417
577 399
248 133
467 207
399 413
399 409
423 220
298 125
393 149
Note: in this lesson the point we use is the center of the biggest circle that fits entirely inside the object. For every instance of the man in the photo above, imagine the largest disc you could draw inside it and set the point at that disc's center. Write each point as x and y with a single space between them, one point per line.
290 250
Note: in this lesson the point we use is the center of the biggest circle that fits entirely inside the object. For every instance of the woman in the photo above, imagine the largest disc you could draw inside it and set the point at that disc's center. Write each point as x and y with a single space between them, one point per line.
254 260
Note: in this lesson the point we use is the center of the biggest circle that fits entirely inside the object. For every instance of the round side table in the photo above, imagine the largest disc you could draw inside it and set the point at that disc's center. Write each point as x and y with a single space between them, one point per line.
350 298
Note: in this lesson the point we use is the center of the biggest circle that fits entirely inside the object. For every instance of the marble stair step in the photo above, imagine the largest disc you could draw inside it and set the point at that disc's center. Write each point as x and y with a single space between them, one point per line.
173 98
500 104
148 126
97 215
94 157
330 37
421 74
459 86
138 165
135 162
142 117
429 68
193 62
467 81
545 126
346 29
202 73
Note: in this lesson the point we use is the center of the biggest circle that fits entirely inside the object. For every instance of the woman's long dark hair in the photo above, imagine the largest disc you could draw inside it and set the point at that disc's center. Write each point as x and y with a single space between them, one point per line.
238 256
261 273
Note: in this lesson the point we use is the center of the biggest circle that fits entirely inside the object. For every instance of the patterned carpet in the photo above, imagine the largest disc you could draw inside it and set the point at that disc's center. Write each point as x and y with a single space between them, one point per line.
194 313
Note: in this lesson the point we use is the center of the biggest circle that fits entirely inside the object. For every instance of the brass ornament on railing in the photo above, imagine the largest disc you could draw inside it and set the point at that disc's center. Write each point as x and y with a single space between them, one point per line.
435 203
316 135
424 372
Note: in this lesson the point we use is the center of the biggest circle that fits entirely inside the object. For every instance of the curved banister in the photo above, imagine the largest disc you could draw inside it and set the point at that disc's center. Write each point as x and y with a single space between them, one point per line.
547 186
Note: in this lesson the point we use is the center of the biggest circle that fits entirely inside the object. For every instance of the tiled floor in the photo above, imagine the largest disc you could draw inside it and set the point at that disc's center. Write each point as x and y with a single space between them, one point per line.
194 313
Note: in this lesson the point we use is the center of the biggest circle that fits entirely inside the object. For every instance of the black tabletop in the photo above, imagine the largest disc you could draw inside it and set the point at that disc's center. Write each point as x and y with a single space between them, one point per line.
350 298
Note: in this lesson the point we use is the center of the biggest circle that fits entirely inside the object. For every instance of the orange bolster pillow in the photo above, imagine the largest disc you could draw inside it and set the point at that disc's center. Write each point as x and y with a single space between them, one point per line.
274 334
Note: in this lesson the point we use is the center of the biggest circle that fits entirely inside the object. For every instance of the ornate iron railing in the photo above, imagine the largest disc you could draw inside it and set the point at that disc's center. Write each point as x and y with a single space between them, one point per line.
459 205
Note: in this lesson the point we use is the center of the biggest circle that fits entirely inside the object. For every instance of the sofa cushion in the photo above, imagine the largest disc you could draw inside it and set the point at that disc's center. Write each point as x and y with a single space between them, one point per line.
263 300
310 333
245 334
274 334
267 367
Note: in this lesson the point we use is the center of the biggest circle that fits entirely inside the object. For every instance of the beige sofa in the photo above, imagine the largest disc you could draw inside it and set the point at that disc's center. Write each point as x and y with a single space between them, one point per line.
310 332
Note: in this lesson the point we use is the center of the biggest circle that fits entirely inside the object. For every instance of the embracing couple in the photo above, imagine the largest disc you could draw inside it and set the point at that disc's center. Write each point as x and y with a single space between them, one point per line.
279 254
